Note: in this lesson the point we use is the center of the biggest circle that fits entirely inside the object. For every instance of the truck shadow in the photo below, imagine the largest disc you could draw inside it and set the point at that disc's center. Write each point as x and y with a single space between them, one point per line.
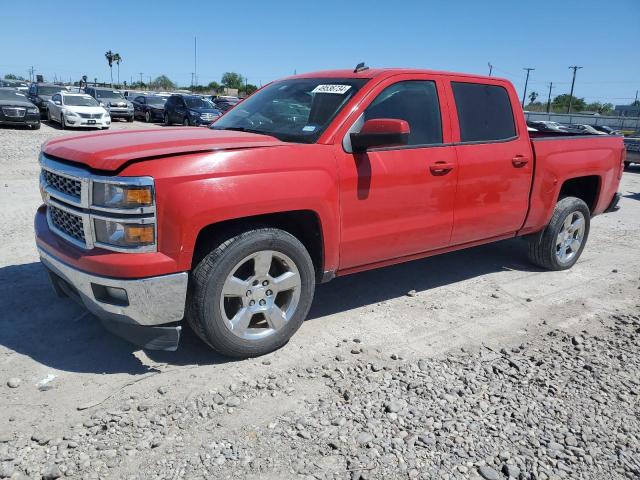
57 333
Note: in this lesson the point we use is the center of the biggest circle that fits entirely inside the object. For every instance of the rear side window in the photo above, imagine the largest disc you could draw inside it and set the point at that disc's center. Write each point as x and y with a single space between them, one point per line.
484 112
415 101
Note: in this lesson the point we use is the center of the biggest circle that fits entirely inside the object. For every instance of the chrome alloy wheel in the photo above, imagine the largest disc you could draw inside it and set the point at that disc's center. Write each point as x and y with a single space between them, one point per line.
260 295
570 237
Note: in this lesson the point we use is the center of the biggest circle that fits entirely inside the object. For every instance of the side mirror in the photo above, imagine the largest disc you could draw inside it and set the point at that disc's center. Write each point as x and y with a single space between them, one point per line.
380 132
58 102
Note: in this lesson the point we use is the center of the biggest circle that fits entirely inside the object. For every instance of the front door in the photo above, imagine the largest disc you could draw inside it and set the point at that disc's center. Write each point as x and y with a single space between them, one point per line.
398 201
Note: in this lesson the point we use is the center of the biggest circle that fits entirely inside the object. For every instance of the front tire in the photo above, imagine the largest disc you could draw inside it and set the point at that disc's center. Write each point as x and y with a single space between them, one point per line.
147 116
130 119
560 244
186 122
62 125
251 293
166 120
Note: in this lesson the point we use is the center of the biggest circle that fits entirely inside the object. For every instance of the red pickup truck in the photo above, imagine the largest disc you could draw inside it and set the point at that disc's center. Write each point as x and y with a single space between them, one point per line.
313 176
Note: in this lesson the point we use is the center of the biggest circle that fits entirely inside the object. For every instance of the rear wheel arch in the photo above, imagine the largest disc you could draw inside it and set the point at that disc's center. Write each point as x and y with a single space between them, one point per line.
305 225
586 188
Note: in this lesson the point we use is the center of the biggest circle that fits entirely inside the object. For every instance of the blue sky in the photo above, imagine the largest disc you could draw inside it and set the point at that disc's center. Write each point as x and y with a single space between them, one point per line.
269 39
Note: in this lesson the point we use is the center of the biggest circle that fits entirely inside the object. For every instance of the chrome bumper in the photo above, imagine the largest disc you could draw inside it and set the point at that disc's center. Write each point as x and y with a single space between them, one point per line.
148 302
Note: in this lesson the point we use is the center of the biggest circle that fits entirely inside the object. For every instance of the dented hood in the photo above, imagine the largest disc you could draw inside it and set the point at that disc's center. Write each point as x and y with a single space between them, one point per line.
111 150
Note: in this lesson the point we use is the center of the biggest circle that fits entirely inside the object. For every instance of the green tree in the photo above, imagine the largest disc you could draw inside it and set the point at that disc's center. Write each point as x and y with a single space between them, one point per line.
561 102
11 76
162 83
601 108
213 86
117 59
232 80
109 56
249 89
636 103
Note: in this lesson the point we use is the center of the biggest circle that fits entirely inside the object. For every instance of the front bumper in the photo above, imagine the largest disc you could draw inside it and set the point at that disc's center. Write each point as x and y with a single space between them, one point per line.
117 112
87 122
30 119
144 311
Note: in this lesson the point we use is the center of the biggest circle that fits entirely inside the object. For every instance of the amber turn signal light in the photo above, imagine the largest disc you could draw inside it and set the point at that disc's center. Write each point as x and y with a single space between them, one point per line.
139 234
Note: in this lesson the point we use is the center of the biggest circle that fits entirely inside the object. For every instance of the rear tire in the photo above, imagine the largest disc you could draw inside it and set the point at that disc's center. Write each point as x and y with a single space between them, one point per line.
213 304
560 244
186 122
166 120
147 116
62 125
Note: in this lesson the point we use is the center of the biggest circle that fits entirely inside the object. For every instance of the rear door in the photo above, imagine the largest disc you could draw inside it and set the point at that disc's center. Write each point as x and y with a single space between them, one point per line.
398 201
495 160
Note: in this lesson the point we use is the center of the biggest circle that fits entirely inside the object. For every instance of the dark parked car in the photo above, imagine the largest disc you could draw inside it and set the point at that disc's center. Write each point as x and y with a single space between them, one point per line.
149 107
16 109
41 93
189 110
224 104
113 101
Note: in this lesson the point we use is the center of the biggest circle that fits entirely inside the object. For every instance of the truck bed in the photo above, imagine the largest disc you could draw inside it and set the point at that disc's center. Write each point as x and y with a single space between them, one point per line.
561 157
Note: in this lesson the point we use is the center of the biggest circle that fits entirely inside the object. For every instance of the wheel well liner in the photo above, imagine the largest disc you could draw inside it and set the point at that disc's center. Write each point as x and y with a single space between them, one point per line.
303 224
585 188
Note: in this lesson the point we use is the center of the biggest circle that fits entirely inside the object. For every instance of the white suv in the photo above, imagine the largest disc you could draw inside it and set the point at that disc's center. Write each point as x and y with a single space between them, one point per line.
77 110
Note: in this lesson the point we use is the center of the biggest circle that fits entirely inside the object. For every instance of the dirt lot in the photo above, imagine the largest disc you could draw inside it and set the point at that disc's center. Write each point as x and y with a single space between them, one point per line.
78 383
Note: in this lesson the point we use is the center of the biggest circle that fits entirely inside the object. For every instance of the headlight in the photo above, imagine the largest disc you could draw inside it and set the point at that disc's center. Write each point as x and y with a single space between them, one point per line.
102 104
70 113
113 195
32 110
119 233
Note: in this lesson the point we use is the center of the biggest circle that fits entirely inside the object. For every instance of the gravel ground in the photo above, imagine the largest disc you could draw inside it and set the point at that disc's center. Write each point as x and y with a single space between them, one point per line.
466 365
559 407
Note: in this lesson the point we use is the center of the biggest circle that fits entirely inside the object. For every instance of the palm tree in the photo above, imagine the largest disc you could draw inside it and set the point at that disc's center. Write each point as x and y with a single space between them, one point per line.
117 59
109 56
533 96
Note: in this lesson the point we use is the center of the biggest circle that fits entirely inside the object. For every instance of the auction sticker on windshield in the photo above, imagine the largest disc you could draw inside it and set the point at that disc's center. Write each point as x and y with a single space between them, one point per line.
339 89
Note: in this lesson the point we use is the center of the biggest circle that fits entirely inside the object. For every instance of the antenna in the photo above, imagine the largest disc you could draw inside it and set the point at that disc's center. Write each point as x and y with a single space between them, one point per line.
361 67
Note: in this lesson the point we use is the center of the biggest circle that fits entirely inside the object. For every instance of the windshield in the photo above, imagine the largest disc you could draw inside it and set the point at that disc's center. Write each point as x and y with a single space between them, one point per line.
79 101
197 102
296 110
108 94
49 90
12 95
156 101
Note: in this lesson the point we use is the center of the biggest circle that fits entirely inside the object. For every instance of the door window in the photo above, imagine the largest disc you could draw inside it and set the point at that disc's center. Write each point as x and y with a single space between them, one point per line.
484 112
415 101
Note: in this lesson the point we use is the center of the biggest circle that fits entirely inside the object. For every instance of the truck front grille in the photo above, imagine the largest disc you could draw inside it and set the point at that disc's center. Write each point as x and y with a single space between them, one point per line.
67 223
65 185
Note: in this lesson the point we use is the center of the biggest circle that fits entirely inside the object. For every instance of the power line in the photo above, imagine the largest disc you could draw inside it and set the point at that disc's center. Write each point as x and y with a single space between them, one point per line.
524 95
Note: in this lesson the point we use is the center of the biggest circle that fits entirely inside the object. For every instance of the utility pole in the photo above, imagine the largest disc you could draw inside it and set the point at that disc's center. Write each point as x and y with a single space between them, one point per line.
490 68
526 82
636 97
573 82
141 82
31 74
195 61
549 98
